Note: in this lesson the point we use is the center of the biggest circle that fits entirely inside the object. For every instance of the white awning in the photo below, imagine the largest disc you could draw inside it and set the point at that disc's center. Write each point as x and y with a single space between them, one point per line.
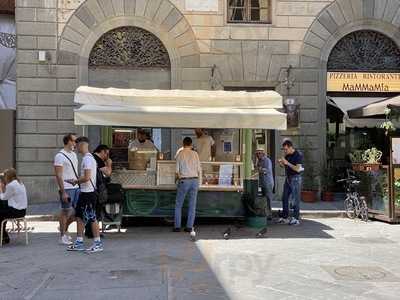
189 98
179 108
374 109
347 103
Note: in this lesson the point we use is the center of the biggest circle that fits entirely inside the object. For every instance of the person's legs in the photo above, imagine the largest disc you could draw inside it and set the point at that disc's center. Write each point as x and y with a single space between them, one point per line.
80 213
181 191
80 226
64 213
193 190
285 199
9 212
269 196
74 196
296 194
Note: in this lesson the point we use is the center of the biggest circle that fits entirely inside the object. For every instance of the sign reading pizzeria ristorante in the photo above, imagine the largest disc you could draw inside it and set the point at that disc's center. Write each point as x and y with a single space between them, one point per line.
363 82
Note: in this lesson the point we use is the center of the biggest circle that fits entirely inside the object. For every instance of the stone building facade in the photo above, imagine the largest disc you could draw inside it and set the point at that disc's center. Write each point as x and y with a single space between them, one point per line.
197 36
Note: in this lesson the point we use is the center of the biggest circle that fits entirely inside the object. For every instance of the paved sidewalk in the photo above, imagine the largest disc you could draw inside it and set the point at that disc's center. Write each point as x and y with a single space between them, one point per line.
321 209
320 259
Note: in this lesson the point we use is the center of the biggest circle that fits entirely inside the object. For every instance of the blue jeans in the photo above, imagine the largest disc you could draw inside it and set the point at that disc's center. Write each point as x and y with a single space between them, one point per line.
292 188
186 187
267 190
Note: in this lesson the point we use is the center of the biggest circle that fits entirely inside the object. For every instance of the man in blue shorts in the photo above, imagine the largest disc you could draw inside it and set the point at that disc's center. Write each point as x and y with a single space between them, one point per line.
65 167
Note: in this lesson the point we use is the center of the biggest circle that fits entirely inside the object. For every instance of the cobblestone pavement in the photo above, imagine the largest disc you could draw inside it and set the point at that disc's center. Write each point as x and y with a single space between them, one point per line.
320 259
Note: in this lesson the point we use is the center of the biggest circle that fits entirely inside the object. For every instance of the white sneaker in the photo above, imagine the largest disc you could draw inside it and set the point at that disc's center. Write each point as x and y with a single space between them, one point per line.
96 247
294 222
64 240
283 221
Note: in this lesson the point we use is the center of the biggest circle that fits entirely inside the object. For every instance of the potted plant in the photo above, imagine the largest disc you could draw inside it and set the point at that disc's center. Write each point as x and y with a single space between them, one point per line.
356 159
387 125
328 185
309 192
371 158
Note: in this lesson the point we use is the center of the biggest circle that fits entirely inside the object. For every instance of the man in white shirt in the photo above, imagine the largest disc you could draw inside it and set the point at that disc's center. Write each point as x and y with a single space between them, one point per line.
188 172
66 168
205 145
85 211
142 142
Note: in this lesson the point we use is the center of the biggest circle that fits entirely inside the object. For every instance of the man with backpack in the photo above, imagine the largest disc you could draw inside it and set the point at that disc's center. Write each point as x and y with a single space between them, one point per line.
104 169
65 167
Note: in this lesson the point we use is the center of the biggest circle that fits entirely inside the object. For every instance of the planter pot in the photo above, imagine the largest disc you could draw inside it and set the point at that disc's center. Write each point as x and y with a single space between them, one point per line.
309 196
328 196
363 167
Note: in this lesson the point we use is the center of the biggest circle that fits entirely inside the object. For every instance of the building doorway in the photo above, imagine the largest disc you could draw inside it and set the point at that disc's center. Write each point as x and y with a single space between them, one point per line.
353 66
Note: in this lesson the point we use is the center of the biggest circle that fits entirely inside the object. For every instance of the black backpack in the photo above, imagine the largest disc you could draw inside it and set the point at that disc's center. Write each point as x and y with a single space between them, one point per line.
101 186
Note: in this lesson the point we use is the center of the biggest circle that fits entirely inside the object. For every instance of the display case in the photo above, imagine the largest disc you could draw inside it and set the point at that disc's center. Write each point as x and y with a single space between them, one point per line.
222 175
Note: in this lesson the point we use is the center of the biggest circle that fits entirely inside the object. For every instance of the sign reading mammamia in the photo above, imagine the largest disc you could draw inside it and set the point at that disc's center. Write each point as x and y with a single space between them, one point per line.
363 82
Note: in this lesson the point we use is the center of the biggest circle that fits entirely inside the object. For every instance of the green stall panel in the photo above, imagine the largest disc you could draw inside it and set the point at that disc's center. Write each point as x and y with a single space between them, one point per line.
156 203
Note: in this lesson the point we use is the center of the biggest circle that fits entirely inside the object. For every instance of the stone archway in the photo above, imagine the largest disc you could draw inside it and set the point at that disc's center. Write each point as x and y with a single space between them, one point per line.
336 21
159 17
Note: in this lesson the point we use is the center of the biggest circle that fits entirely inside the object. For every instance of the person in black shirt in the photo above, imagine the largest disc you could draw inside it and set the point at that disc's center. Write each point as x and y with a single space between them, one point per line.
293 164
102 156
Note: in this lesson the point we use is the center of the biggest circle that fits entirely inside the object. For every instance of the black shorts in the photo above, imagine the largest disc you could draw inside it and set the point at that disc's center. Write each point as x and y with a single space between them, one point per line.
86 207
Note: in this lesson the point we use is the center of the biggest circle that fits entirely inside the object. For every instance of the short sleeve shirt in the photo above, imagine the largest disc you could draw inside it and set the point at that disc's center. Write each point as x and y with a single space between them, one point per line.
264 166
89 163
295 159
68 172
204 144
188 164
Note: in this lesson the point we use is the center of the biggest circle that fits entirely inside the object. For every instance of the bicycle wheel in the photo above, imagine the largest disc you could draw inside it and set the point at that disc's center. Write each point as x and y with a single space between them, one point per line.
364 211
356 203
349 208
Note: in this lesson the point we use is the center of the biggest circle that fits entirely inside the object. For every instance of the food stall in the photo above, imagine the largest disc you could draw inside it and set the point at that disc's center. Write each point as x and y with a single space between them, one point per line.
380 182
148 174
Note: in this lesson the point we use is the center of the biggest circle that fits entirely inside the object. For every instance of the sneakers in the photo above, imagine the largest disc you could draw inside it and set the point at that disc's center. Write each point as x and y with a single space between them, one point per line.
79 246
283 221
294 222
65 240
76 246
96 247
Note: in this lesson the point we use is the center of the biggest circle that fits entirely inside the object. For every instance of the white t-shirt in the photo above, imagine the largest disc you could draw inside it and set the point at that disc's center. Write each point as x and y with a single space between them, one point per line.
146 145
16 195
204 144
68 173
89 163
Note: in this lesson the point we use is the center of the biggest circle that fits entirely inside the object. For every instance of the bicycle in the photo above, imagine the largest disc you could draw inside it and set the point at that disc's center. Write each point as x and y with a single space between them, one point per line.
354 204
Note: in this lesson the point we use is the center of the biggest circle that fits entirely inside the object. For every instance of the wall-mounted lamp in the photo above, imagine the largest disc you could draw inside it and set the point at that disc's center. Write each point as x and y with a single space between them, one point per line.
292 110
44 57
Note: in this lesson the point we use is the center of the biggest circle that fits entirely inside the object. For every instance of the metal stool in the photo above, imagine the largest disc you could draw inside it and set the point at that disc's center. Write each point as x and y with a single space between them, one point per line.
16 226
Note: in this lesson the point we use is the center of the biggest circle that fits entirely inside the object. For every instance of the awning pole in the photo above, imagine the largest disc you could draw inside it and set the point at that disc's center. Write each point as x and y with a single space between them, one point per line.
247 155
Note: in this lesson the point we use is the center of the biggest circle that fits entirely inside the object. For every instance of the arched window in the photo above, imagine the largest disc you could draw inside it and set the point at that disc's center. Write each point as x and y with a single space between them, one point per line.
129 47
365 50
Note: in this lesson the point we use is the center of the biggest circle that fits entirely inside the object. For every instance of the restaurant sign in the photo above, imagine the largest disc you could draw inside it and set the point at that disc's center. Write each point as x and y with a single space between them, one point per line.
363 82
